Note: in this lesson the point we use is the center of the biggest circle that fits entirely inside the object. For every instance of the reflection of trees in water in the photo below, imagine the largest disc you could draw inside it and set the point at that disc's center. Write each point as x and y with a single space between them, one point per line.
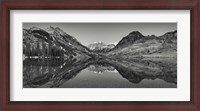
54 76
39 71
53 73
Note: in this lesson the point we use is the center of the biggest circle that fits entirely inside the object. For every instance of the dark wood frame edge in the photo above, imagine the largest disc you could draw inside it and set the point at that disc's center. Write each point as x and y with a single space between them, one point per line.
5 49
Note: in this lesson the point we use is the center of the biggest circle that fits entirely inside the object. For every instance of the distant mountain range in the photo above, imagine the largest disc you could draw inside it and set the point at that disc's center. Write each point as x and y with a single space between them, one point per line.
101 47
54 42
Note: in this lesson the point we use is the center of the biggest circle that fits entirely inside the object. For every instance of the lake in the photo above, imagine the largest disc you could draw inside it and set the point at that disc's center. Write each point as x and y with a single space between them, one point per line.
106 73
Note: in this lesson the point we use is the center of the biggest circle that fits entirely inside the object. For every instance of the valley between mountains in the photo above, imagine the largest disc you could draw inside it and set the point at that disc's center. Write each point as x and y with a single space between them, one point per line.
53 42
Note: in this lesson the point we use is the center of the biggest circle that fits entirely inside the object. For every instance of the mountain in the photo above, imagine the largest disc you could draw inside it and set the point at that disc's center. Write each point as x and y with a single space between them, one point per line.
129 39
97 46
65 40
110 46
52 42
100 46
137 45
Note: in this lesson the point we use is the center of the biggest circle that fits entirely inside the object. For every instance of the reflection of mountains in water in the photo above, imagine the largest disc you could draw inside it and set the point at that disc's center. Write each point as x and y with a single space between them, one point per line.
100 68
53 73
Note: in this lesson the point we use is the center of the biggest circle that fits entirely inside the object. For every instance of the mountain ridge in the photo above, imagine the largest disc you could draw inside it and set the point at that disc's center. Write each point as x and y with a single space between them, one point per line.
137 45
54 42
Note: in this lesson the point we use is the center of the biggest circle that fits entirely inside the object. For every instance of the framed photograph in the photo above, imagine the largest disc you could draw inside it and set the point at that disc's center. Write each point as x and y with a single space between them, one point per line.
100 55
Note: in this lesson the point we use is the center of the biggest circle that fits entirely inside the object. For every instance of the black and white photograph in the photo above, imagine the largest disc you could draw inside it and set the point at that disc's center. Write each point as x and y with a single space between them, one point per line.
99 55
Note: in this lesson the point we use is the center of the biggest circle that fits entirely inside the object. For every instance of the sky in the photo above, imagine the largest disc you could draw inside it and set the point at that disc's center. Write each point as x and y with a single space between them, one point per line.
88 33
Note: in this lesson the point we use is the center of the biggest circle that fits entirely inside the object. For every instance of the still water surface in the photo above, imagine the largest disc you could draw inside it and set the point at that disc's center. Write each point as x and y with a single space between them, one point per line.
59 73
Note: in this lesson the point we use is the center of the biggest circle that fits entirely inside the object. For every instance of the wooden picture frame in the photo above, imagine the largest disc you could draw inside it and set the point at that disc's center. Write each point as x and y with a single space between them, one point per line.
192 5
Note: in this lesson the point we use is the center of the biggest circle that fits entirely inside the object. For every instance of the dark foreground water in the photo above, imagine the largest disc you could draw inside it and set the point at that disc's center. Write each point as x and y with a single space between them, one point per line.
135 73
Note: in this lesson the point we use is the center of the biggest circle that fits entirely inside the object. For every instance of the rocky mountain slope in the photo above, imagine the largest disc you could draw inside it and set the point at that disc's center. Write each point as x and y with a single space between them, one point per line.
137 45
52 42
